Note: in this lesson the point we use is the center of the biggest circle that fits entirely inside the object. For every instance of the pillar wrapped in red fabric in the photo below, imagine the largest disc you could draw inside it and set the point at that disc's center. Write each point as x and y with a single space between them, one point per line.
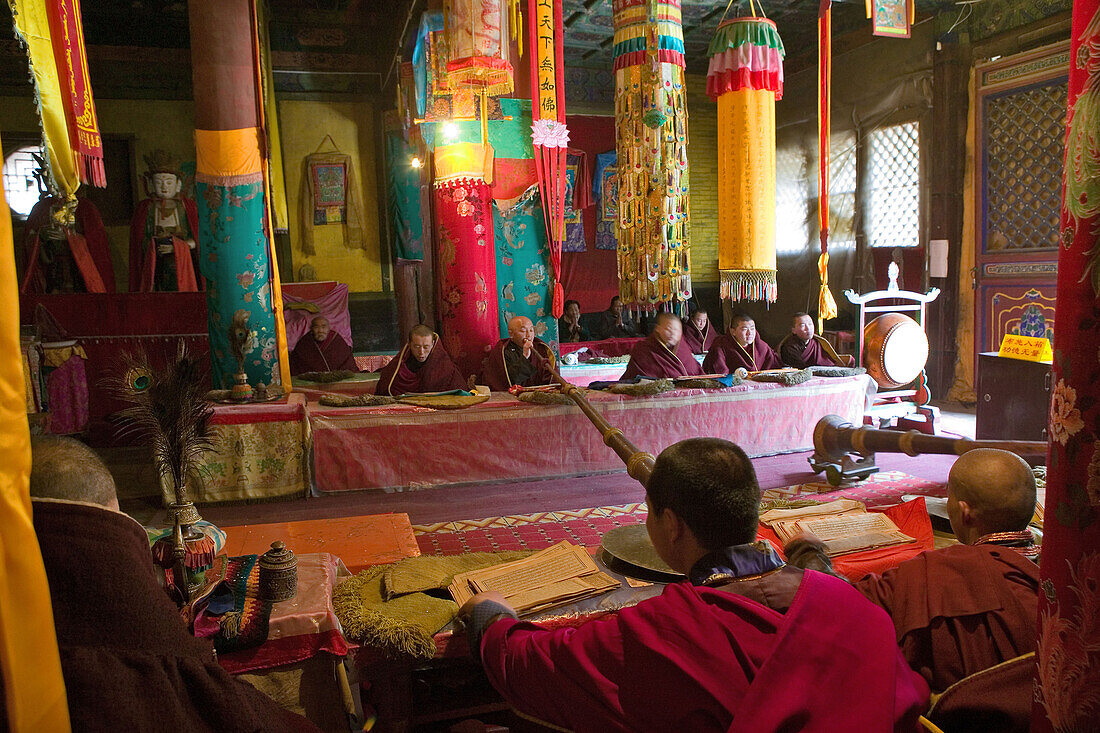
1069 606
466 270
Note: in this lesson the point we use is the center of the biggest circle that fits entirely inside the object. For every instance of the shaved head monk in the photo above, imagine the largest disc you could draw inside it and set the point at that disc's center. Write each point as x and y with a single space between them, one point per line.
522 359
127 656
803 348
422 365
717 651
322 350
740 347
663 354
698 332
965 608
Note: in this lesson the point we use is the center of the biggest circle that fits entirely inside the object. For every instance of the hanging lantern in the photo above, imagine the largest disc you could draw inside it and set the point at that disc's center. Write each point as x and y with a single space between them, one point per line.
745 77
476 38
651 144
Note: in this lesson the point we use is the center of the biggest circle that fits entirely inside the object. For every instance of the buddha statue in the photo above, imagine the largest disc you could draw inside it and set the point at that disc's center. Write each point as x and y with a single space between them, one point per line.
66 245
163 253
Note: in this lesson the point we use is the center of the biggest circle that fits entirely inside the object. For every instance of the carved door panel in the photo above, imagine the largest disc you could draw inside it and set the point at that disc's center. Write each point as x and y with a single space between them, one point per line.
1020 148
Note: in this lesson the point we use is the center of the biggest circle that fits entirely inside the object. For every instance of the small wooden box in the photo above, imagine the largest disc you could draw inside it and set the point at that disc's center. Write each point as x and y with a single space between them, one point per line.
1013 398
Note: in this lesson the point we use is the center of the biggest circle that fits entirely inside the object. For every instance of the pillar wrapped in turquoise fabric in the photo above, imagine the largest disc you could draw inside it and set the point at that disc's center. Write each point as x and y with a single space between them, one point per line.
523 279
237 270
403 190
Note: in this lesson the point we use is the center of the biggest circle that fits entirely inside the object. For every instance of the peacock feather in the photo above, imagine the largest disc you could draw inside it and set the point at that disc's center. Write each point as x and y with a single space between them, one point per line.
168 410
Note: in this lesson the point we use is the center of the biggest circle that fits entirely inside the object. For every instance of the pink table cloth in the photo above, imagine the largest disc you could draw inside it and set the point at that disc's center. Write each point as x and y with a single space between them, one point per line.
583 375
373 362
402 447
301 627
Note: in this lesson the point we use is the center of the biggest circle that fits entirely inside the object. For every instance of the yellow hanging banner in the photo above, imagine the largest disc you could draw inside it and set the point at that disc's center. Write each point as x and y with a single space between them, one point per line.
34 690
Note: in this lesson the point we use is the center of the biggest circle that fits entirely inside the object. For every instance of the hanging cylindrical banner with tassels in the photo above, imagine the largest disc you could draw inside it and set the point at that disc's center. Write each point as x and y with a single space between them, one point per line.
651 144
745 77
476 37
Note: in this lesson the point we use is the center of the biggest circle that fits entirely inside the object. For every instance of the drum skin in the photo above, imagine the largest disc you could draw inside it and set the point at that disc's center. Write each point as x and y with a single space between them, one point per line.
895 350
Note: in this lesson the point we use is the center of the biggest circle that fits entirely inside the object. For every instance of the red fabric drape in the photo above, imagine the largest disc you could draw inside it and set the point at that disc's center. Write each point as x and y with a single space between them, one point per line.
1069 606
591 277
466 271
67 34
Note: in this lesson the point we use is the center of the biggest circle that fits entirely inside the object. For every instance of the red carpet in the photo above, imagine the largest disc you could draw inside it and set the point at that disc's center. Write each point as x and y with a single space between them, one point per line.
586 526
525 531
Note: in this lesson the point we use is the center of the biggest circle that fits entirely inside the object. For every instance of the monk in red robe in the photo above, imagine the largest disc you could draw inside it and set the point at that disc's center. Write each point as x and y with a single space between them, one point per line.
322 350
698 333
803 348
663 354
964 608
740 348
722 651
422 365
73 259
521 359
127 656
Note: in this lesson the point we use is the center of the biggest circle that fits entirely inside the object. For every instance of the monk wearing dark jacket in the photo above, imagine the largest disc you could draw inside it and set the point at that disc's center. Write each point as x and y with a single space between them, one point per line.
322 350
965 608
422 365
663 354
698 332
803 348
521 359
741 347
127 657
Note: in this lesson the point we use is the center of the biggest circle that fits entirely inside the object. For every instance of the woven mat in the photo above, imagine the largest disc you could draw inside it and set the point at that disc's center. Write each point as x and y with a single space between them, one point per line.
585 526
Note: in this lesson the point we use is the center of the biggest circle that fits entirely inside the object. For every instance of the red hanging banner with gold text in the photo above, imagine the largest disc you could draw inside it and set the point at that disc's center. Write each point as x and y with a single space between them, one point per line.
69 53
550 137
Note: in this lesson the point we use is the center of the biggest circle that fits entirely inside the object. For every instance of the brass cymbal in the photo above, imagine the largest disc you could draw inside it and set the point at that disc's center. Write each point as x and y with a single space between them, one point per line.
631 545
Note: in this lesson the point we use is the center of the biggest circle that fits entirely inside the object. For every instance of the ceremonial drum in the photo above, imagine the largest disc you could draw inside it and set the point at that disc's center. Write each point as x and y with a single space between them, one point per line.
895 350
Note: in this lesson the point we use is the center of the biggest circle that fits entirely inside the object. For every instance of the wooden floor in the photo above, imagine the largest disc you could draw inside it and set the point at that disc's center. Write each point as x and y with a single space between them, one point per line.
425 506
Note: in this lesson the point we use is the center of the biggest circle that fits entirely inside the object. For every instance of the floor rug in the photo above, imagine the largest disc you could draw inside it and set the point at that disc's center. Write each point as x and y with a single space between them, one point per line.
585 526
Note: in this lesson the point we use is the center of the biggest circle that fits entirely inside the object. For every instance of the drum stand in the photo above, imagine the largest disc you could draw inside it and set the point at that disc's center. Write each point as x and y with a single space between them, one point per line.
905 404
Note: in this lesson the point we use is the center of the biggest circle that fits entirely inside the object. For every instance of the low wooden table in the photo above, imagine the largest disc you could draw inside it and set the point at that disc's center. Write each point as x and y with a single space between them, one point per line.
301 665
373 539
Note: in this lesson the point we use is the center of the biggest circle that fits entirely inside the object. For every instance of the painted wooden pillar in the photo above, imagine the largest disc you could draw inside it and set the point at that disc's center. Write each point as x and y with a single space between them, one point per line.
230 191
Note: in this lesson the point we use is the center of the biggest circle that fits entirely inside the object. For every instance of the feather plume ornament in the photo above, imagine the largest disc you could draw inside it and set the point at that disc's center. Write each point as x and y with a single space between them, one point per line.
169 412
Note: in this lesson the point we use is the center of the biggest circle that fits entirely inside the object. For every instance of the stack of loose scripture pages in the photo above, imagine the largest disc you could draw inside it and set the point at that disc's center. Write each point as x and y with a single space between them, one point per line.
560 574
843 525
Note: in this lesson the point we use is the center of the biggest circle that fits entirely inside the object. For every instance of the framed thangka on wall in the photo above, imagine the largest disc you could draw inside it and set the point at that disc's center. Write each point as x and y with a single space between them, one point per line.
1020 148
330 192
605 186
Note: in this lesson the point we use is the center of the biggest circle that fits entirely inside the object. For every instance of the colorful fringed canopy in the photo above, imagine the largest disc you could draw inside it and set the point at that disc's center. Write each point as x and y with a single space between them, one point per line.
745 77
477 32
651 143
478 49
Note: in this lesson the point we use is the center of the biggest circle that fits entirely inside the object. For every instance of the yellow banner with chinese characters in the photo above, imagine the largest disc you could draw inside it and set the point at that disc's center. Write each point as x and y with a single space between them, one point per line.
1026 348
545 60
